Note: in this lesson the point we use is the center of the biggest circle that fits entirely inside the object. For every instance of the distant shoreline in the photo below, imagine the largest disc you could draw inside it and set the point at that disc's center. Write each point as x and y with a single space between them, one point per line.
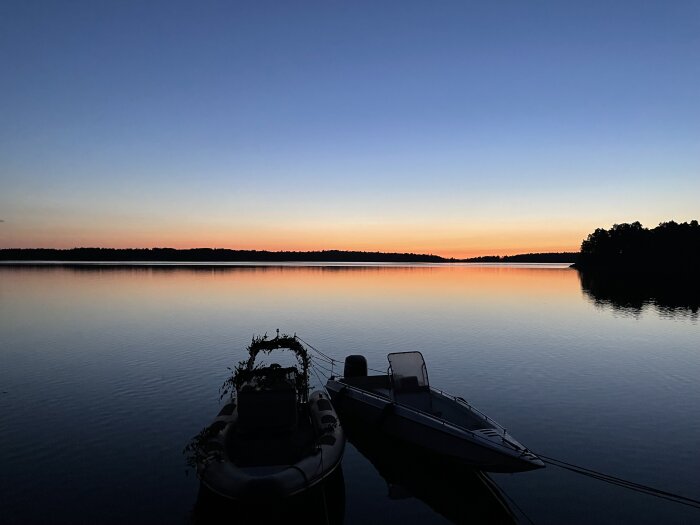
259 264
214 257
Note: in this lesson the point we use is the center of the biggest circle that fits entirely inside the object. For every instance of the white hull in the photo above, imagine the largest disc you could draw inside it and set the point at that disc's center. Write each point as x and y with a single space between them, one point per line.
478 441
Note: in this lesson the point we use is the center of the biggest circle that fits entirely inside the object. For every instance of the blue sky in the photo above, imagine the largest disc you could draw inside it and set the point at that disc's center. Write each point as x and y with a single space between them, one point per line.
448 127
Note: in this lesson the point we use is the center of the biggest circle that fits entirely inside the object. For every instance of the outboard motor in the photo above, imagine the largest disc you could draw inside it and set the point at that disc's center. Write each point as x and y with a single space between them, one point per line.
355 366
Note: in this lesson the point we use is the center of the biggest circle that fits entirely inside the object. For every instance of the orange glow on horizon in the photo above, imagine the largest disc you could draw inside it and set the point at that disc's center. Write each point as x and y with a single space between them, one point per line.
443 241
309 247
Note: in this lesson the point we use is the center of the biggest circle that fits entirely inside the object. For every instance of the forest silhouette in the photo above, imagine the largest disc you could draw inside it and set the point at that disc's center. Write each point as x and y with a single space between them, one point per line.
629 266
633 248
221 255
671 247
213 255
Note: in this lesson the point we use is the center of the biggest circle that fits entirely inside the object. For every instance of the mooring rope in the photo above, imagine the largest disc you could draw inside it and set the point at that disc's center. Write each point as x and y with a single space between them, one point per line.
317 363
321 383
323 359
620 482
329 358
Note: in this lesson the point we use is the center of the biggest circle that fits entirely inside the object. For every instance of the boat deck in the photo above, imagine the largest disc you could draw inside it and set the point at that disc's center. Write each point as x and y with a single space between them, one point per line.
429 401
380 385
247 449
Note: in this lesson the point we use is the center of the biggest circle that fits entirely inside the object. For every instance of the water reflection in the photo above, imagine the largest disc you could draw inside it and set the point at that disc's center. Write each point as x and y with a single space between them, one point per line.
123 366
632 293
459 494
322 504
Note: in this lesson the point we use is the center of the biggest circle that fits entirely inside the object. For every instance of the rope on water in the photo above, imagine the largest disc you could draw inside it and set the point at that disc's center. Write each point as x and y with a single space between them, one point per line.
620 482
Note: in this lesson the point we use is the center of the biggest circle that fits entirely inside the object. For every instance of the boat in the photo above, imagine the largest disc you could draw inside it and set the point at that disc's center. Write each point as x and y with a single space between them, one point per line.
403 405
271 439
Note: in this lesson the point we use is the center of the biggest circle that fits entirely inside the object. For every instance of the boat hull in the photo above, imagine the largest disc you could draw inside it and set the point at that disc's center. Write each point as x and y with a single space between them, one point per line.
483 450
222 475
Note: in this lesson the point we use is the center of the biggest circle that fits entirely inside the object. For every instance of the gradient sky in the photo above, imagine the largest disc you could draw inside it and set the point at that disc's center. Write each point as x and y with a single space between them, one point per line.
456 128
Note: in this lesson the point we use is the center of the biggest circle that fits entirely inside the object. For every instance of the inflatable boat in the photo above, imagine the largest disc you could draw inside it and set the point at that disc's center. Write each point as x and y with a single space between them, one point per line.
271 440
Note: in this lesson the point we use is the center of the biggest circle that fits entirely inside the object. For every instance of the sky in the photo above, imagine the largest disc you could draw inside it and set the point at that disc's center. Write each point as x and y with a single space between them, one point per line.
453 128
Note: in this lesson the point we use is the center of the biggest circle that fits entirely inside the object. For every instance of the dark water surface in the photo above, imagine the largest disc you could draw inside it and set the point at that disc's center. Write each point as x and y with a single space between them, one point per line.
105 374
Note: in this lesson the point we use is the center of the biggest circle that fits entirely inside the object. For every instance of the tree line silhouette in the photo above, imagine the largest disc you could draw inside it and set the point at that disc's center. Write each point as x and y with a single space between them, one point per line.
548 257
624 247
206 255
217 255
633 248
629 266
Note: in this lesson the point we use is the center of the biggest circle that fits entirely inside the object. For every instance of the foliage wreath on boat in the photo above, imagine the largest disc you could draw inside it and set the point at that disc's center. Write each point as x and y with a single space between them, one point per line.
197 450
244 371
271 439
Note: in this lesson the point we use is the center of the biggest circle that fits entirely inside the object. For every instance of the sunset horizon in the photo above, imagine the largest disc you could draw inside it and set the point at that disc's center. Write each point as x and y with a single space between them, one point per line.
433 242
462 130
374 248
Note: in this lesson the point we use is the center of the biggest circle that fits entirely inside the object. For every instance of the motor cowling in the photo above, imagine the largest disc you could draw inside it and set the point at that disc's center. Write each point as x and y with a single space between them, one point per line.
355 366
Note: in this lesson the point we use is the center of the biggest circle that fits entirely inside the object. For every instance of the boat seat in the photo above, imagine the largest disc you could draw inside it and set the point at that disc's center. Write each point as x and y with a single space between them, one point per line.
407 391
267 411
408 384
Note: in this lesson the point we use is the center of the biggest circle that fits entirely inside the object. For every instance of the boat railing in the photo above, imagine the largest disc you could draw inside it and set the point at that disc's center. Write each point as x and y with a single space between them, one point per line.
449 424
445 423
463 402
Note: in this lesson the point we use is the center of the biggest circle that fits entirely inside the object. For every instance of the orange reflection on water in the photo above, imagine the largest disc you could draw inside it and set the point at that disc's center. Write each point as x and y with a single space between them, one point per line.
229 284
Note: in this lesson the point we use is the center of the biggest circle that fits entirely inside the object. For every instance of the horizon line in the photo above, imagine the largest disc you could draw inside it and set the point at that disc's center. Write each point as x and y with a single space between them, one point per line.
280 252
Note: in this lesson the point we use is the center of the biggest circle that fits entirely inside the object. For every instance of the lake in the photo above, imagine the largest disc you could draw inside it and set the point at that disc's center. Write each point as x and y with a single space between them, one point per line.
107 372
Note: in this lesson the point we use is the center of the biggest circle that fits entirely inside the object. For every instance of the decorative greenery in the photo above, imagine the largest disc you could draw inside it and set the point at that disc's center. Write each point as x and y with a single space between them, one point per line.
202 448
246 370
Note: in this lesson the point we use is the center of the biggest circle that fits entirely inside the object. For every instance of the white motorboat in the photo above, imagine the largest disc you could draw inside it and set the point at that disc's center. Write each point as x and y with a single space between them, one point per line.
403 405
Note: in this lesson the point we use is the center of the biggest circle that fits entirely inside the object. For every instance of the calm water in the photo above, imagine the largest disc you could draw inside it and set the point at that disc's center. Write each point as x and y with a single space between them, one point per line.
106 373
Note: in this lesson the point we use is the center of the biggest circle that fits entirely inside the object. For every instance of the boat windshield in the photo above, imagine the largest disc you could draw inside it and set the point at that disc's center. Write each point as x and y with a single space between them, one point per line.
408 371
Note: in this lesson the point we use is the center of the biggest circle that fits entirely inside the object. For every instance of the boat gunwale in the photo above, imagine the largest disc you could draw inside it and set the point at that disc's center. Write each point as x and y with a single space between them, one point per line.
321 471
309 483
524 451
